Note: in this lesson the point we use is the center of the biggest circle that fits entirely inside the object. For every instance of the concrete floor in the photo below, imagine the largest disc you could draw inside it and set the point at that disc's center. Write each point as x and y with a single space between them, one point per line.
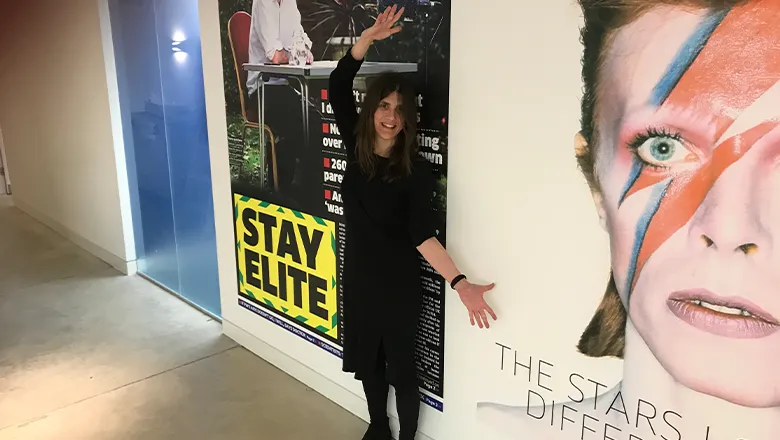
89 354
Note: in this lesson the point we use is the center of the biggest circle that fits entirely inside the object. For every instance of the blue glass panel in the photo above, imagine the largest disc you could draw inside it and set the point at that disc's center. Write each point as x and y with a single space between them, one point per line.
159 68
138 70
181 73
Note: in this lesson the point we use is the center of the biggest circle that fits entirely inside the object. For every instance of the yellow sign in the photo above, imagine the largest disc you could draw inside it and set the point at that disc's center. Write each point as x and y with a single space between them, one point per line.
287 262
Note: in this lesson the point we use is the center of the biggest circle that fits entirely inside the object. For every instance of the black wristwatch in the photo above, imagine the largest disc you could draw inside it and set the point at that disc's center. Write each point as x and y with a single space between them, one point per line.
456 280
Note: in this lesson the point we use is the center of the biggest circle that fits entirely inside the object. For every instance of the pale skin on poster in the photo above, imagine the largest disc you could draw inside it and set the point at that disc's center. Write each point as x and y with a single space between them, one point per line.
711 383
387 123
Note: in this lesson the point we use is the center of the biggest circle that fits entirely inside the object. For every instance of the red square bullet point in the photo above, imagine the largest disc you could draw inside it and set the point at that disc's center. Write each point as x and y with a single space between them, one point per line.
327 162
324 94
325 128
327 194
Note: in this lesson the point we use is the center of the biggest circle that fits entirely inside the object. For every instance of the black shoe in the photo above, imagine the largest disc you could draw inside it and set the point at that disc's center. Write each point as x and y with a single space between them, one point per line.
378 432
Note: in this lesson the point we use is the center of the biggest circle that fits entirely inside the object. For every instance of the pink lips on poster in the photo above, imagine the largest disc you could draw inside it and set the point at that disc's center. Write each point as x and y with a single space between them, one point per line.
731 317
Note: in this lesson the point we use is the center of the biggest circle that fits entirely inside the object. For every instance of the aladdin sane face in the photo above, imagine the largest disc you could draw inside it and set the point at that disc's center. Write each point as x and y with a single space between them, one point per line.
687 160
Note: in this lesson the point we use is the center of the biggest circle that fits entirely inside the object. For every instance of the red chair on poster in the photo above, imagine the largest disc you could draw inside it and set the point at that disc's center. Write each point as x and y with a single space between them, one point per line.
239 26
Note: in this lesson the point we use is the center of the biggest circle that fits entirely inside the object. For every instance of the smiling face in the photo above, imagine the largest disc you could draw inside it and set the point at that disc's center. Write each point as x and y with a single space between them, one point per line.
687 158
388 117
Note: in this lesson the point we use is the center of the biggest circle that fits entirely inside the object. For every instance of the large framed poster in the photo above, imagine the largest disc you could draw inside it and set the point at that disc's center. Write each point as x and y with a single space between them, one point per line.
287 160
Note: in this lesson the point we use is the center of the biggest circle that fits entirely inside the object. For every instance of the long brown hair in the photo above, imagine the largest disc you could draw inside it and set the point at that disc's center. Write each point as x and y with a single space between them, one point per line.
605 334
405 148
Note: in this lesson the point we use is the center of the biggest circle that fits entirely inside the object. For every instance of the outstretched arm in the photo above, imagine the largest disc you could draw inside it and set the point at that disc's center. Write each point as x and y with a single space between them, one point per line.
423 233
472 295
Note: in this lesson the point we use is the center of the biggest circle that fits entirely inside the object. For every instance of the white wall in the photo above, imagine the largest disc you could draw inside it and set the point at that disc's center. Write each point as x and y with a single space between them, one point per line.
58 112
519 212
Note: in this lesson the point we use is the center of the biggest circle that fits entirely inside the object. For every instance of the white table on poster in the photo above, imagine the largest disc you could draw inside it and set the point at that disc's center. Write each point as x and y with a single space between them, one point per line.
301 76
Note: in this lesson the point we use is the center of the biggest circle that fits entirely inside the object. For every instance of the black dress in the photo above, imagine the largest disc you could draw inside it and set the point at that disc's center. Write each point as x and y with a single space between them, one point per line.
385 223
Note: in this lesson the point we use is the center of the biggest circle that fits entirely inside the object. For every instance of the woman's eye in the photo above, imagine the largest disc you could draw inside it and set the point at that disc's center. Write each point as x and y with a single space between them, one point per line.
662 151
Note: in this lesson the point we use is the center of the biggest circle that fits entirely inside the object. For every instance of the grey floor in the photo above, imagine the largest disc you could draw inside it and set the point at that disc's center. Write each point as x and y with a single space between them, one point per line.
86 353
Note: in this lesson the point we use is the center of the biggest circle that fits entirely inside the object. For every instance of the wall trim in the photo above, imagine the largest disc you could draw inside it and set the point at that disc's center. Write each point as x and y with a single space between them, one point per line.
179 296
4 165
117 130
330 390
126 267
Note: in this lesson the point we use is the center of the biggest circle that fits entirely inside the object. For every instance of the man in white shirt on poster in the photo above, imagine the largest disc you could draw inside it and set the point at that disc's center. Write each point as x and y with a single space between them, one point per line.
274 26
274 23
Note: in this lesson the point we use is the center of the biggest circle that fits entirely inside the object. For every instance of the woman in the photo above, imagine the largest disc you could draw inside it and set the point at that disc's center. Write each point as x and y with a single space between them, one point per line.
387 192
679 143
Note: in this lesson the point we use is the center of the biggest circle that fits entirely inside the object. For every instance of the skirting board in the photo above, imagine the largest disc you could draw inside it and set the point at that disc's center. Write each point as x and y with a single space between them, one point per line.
126 267
314 380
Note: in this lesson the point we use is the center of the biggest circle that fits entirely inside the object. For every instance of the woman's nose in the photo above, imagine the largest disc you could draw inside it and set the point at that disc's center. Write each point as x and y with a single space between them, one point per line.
732 217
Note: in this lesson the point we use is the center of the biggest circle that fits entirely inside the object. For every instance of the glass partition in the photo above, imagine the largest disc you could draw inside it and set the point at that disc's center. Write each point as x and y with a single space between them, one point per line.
159 68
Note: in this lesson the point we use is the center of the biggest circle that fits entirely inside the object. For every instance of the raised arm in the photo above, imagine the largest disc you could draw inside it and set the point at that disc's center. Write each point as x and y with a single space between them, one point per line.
343 102
341 79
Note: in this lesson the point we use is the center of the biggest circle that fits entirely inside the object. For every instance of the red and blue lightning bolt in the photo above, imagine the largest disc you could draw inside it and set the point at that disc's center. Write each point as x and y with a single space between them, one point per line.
725 66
